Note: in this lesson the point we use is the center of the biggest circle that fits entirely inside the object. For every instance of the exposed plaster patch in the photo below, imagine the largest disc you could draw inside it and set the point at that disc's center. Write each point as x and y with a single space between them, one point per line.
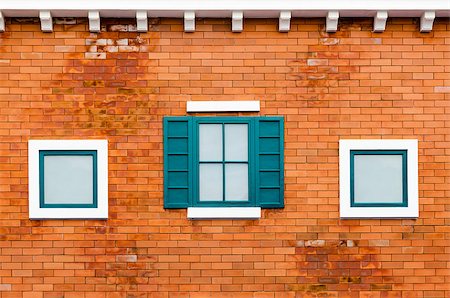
442 89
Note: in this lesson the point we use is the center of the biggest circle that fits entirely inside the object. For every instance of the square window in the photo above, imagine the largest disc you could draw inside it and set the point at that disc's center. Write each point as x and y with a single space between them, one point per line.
378 178
223 167
68 179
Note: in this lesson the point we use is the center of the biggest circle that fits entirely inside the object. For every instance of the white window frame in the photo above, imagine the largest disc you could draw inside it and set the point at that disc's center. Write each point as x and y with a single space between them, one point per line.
346 211
36 212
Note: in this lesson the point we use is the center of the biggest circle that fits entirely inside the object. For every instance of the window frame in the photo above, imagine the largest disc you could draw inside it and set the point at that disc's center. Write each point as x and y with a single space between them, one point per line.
37 149
404 155
409 207
44 153
196 162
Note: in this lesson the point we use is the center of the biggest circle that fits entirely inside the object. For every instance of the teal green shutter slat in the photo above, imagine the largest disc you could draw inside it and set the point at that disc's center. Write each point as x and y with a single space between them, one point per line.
270 162
177 162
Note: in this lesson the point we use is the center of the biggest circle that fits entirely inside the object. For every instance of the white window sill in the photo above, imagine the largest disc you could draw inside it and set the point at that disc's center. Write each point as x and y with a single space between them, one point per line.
224 213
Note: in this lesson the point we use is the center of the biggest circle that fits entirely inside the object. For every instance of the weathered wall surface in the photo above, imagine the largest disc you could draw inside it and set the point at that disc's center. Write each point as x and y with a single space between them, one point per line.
119 84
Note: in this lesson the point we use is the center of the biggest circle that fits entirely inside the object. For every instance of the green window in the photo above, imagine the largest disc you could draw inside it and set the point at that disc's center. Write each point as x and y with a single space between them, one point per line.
378 178
67 179
223 161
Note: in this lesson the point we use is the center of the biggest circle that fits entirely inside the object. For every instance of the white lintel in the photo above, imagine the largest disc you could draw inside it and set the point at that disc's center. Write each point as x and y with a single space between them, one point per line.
284 23
332 21
2 22
46 21
189 21
427 20
223 106
224 213
141 21
237 21
379 21
94 20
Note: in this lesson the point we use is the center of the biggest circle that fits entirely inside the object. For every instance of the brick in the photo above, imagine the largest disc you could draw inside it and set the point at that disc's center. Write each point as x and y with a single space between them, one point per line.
118 85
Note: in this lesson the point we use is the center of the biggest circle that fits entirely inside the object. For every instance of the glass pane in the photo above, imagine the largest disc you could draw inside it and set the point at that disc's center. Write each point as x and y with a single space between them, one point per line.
236 182
68 179
211 182
378 179
210 142
236 142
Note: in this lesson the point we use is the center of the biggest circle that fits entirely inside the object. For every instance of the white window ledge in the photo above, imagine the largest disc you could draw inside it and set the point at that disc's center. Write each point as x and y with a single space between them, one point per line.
224 213
223 106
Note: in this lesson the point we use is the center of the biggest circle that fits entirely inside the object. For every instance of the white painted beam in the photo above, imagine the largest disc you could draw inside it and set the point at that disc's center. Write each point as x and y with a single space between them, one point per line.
379 21
237 21
349 8
208 8
332 21
46 21
222 9
141 21
189 21
427 20
2 22
223 106
94 20
284 23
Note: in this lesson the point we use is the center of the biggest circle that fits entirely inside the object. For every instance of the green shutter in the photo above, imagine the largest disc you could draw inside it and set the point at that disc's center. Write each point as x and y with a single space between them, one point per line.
177 162
270 162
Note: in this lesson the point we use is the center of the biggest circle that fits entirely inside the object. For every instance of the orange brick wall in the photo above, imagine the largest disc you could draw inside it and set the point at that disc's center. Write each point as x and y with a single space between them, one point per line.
119 84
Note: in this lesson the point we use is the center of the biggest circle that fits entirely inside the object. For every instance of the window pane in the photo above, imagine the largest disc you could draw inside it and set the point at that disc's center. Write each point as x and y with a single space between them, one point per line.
211 182
210 142
236 182
236 142
68 179
378 179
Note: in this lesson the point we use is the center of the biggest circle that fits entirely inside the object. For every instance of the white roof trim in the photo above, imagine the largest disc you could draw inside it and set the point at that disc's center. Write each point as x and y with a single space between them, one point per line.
208 8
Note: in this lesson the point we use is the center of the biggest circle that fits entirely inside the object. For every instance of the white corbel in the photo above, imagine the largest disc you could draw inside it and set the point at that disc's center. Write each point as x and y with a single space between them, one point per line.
94 20
2 22
141 21
426 21
189 21
237 21
379 21
332 21
46 21
284 24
